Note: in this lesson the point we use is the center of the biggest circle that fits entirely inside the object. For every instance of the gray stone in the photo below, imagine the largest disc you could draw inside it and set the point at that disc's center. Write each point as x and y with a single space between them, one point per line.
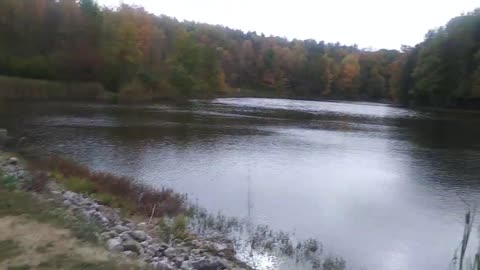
109 235
157 247
162 265
138 235
130 254
120 228
13 161
131 245
207 264
172 252
115 245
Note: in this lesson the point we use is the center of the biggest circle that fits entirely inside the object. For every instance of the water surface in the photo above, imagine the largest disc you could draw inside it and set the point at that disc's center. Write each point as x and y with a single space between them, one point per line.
383 187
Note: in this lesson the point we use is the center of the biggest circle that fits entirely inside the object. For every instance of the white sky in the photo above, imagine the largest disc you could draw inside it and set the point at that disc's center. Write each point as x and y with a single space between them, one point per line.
368 23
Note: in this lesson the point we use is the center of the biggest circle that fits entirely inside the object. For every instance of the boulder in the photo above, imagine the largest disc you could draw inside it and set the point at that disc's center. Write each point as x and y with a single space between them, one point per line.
173 252
130 254
120 228
161 265
13 161
115 245
133 246
138 235
207 264
109 235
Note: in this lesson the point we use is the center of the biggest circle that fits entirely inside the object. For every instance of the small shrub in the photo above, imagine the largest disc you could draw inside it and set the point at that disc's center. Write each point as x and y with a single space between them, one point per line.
10 182
164 230
80 185
180 227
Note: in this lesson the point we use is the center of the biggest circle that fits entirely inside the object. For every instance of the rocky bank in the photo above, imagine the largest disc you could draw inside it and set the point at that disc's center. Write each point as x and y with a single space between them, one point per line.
132 238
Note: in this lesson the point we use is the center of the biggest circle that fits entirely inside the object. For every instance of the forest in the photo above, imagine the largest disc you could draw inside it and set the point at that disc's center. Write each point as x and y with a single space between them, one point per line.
140 56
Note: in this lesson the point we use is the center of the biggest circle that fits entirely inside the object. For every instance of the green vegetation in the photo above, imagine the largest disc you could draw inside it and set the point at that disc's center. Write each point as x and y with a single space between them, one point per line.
9 182
8 249
70 263
37 234
18 203
444 70
139 57
22 88
115 191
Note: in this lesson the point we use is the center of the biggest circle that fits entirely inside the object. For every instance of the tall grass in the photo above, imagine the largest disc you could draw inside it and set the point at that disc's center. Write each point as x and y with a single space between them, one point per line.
14 88
116 190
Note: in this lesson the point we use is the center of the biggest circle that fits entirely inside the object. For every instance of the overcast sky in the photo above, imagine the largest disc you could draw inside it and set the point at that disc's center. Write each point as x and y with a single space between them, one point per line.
368 23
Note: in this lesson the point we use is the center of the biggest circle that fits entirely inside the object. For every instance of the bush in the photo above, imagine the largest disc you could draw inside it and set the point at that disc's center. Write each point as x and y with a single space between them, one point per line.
80 185
179 227
135 92
10 182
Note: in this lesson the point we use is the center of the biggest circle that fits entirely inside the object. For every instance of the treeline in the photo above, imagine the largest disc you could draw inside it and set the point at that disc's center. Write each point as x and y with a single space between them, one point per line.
142 57
444 70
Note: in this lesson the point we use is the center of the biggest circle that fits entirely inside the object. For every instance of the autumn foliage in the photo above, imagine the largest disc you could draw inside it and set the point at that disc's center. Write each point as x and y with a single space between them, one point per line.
145 57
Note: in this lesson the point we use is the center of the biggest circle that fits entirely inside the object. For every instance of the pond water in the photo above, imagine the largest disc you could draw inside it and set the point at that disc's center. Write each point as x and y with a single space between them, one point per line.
384 187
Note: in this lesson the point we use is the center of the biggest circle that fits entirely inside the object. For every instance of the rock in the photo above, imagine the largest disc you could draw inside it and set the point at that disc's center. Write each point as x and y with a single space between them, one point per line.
150 252
125 236
162 265
115 245
138 235
207 264
13 161
172 252
157 247
120 228
131 245
130 254
142 225
109 235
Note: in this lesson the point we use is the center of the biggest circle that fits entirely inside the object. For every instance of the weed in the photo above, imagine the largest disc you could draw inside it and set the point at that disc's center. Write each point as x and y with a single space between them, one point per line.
8 249
118 192
10 182
180 227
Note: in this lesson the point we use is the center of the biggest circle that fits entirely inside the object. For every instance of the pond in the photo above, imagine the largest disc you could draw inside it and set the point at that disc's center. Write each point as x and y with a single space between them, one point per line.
384 187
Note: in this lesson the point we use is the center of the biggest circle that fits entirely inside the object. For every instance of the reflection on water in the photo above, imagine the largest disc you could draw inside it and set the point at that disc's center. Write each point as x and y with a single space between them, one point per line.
380 186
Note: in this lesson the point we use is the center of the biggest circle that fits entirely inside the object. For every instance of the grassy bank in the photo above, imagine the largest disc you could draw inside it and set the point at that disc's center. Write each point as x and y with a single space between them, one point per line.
115 191
14 88
35 233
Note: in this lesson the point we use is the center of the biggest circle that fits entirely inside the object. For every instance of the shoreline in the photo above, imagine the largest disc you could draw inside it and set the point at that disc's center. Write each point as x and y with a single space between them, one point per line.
134 237
212 239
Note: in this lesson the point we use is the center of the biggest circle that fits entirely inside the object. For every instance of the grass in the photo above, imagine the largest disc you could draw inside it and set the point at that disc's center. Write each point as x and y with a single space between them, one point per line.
67 262
14 88
20 267
18 203
115 191
8 249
